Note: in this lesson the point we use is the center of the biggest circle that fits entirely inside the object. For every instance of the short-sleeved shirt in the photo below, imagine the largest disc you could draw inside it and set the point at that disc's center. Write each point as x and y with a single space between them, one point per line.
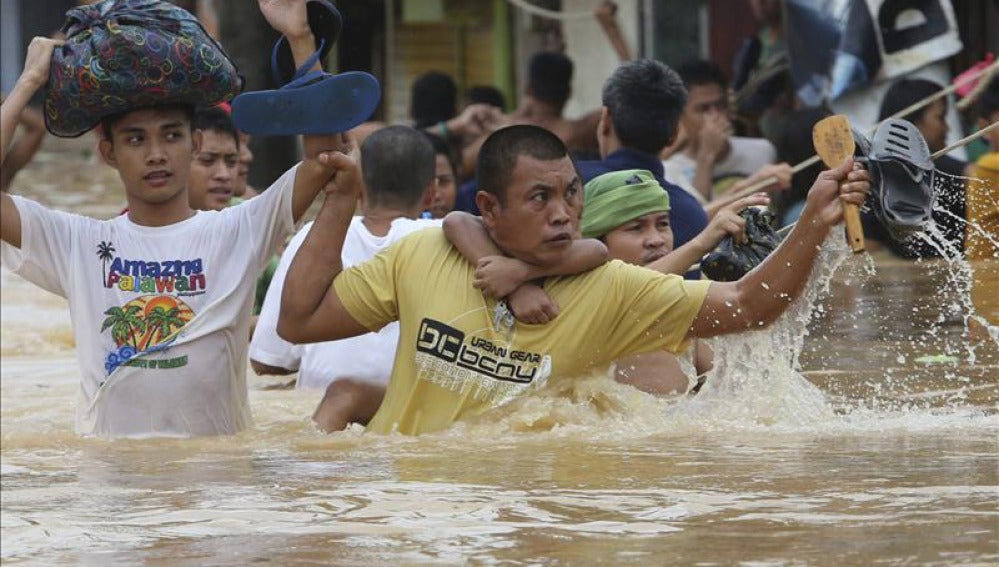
687 217
454 361
160 314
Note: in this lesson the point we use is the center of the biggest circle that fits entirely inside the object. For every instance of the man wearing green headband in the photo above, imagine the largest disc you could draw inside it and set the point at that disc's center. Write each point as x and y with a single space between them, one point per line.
629 212
625 210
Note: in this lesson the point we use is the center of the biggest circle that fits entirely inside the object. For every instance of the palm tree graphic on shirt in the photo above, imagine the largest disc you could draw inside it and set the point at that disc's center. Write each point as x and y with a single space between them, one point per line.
162 323
105 251
126 324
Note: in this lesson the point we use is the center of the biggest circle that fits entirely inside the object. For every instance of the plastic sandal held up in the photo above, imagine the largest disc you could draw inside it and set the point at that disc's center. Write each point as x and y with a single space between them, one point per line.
312 101
902 178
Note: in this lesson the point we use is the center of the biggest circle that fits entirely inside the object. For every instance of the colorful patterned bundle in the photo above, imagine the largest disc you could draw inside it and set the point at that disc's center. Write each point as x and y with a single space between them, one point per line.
121 55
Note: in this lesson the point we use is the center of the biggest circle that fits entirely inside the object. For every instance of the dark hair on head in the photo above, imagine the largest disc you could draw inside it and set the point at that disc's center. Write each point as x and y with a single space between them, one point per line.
698 72
645 99
903 93
107 124
441 148
988 100
433 99
486 94
501 149
215 119
398 165
550 78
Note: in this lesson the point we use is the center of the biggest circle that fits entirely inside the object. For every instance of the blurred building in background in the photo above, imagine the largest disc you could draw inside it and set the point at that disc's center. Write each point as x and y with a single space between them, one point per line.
488 42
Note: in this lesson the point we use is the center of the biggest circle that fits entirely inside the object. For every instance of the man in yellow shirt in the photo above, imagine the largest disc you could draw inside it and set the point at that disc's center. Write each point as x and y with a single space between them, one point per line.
459 354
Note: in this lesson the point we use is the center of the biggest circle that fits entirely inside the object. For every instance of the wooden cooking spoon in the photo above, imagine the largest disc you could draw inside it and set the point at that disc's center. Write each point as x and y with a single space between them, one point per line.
833 141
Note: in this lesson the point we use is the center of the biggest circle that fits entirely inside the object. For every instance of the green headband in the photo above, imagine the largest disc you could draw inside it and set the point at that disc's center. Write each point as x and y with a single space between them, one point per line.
615 198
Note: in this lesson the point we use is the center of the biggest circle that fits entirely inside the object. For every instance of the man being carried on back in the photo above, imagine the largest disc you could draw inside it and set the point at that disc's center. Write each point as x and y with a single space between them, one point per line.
628 212
459 354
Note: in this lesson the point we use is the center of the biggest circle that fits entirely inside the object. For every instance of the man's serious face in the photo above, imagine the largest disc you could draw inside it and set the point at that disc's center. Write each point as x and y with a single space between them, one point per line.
540 212
214 172
702 100
151 149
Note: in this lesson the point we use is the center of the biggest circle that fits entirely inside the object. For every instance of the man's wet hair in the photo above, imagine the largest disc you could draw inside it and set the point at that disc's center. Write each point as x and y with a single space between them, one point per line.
215 119
499 154
442 148
903 93
700 72
433 99
107 124
550 78
645 100
398 165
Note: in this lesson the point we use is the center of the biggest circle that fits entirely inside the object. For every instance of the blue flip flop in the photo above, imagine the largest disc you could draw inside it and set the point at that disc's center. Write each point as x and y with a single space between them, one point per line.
313 102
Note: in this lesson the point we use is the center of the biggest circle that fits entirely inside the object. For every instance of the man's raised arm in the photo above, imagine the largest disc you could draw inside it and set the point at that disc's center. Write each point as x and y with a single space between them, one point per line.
34 77
290 18
763 294
311 311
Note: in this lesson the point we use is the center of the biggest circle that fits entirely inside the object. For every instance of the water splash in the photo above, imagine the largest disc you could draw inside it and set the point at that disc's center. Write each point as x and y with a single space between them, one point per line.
959 274
756 380
922 373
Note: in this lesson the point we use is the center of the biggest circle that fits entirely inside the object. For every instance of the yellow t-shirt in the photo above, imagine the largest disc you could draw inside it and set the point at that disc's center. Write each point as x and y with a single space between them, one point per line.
452 363
983 213
983 208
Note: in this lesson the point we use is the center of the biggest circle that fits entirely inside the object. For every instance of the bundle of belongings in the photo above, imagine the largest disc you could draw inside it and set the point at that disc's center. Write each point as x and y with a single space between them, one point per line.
121 55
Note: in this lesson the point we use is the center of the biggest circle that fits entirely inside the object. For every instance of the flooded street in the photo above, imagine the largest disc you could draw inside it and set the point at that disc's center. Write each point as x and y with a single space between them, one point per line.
882 449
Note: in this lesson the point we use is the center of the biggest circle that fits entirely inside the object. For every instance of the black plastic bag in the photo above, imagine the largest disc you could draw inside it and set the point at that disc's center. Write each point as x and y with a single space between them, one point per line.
731 260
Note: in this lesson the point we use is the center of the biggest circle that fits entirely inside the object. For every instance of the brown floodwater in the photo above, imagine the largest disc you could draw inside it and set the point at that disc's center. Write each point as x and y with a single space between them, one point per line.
872 439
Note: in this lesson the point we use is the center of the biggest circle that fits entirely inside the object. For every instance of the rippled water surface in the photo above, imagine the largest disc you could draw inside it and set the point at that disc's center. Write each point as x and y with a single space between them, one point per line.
881 450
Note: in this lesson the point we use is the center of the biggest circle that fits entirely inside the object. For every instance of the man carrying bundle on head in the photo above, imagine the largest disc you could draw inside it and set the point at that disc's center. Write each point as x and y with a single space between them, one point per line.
159 298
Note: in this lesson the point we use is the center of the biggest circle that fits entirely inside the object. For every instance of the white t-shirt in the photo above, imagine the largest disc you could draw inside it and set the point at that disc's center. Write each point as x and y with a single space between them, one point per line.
745 156
160 314
366 357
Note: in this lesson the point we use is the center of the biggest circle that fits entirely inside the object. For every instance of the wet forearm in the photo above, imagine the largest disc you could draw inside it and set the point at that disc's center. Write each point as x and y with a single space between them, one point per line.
679 261
584 255
315 266
11 109
765 292
467 233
